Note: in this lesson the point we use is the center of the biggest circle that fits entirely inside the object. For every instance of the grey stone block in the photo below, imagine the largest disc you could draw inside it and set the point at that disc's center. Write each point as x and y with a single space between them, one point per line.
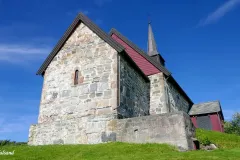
93 87
66 93
59 141
110 137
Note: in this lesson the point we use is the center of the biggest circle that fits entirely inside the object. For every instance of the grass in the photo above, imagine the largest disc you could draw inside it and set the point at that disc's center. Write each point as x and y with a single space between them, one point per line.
222 140
229 149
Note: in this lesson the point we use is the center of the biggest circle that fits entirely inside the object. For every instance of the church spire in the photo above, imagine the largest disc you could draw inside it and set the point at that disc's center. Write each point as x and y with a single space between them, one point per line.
152 47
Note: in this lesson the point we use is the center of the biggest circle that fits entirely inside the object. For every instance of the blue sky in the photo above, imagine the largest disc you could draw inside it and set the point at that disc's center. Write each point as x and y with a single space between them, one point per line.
198 39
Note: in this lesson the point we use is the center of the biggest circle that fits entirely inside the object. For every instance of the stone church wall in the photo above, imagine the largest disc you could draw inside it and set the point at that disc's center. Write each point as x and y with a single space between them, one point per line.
134 92
175 100
157 94
86 113
79 113
96 92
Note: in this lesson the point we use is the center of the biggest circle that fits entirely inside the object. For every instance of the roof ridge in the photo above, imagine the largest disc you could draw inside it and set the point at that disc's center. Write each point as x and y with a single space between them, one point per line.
207 102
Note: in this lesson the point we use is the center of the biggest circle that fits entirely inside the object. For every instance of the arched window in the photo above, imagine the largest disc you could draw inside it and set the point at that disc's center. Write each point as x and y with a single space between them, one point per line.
76 77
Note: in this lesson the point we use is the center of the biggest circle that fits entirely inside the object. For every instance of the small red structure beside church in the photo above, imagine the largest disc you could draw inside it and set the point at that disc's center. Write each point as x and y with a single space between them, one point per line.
207 116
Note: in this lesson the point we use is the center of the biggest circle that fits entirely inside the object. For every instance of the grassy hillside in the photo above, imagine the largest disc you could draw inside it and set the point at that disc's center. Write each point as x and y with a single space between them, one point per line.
222 140
229 149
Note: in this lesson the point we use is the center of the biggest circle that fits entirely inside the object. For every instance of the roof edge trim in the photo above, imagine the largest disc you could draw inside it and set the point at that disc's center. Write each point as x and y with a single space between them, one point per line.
79 18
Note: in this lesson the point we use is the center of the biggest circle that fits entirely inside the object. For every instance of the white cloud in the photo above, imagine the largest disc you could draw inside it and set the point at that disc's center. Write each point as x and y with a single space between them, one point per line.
21 49
19 53
219 12
19 42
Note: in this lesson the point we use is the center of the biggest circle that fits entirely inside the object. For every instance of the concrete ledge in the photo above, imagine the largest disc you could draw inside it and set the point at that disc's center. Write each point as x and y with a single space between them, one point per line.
171 128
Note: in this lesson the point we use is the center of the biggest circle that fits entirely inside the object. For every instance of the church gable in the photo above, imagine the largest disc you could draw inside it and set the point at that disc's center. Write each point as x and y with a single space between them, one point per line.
79 19
95 63
83 43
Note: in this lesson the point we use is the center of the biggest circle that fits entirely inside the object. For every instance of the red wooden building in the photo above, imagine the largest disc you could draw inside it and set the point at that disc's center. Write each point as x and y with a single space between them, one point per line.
207 115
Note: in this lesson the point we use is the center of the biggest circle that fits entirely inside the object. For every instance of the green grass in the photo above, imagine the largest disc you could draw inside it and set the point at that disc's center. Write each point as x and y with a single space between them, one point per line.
229 149
222 140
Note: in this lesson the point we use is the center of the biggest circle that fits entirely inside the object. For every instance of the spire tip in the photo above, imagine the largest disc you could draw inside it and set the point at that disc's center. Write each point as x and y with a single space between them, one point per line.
149 19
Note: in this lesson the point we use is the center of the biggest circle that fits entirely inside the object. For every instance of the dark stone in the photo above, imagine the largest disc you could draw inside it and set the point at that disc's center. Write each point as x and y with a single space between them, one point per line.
54 59
96 79
54 96
106 138
88 100
99 94
127 92
121 89
59 141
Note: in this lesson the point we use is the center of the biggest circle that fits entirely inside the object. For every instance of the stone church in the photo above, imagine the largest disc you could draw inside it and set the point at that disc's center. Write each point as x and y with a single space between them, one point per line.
101 87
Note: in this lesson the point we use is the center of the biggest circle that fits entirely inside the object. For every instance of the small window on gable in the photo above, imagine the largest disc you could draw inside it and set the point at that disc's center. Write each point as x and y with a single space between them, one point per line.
76 77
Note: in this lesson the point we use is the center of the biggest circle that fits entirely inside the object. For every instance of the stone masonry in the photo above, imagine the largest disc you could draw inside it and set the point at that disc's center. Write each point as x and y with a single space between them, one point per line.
157 95
96 92
134 92
173 128
175 100
78 112
164 97
112 100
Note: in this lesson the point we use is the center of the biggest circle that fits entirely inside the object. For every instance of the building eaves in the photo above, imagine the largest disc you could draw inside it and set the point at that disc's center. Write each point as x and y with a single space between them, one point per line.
205 107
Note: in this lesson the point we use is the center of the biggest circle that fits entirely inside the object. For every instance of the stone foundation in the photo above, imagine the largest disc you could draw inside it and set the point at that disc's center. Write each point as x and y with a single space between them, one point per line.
83 130
172 128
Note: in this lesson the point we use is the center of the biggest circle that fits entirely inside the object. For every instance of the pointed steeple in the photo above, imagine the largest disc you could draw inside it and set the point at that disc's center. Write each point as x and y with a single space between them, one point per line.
152 47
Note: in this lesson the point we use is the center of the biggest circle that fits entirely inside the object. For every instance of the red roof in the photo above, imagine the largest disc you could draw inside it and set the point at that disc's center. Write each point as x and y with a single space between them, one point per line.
142 62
